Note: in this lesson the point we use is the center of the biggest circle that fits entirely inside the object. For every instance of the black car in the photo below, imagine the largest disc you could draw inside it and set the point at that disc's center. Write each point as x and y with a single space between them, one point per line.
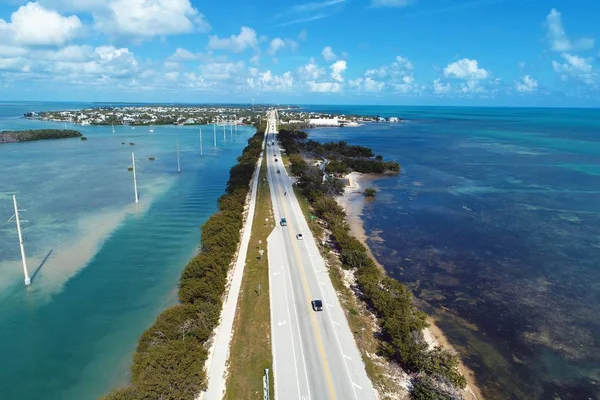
317 305
278 171
275 160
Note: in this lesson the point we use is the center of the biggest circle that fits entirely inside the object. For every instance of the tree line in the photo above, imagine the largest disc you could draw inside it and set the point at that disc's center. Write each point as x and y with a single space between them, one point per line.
37 134
435 373
169 360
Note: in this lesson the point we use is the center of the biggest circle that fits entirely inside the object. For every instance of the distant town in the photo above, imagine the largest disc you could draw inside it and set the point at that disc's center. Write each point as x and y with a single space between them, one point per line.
201 115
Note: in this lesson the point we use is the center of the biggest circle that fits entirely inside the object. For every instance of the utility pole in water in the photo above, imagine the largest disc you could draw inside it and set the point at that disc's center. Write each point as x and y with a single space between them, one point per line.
200 141
178 163
137 200
23 258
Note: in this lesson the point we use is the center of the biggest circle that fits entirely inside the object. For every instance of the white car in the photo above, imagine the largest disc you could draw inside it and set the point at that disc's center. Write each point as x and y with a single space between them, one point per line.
299 236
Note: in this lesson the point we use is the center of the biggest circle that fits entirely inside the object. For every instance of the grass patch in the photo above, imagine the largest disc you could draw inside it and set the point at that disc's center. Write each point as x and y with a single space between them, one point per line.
250 350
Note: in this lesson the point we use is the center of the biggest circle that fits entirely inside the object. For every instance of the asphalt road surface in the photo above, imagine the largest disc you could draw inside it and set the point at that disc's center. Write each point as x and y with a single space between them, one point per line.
315 354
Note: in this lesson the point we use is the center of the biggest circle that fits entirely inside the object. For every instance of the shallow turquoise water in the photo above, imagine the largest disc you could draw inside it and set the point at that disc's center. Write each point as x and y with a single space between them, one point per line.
496 218
113 266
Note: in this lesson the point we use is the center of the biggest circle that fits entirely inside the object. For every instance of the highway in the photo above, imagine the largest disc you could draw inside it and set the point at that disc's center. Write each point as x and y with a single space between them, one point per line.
315 355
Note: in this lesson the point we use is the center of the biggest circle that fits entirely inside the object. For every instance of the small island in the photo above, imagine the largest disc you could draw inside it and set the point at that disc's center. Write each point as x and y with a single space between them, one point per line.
37 134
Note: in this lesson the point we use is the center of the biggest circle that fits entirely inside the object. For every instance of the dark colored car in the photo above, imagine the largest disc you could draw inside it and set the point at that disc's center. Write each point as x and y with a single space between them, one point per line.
317 305
275 160
278 171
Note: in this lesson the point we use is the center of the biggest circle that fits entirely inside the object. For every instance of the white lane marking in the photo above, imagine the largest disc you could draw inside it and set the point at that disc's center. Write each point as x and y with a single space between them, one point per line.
347 357
276 273
292 337
281 323
276 206
296 207
322 283
358 386
335 323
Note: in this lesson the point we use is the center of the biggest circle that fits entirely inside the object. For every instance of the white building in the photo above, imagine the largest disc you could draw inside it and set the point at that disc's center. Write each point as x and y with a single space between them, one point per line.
324 121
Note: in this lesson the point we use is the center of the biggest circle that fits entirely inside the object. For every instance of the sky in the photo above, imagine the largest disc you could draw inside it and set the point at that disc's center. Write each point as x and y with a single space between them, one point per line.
387 52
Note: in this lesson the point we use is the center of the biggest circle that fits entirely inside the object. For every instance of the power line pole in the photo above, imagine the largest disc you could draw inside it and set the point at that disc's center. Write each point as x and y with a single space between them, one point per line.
137 200
200 141
215 134
178 163
23 257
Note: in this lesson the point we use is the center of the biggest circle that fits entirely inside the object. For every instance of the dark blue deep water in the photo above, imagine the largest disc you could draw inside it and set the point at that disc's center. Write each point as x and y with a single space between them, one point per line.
494 223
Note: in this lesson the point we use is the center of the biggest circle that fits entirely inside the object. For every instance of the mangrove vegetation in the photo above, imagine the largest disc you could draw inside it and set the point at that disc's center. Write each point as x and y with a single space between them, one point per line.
169 360
37 134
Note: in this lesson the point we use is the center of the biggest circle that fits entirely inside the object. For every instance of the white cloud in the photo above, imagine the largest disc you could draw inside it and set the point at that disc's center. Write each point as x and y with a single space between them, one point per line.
280 44
12 51
465 69
324 87
575 67
328 54
149 18
367 84
398 75
310 71
235 43
172 76
268 82
558 38
440 88
390 3
220 71
471 86
102 62
337 69
183 55
526 84
34 25
255 59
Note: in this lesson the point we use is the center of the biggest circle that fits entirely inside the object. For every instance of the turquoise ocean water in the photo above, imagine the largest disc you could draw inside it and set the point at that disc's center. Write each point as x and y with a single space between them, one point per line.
494 223
105 267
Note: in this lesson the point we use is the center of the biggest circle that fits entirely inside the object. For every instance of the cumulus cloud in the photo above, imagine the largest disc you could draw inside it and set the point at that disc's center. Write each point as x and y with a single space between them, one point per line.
337 69
440 88
149 18
220 71
526 84
328 54
235 43
280 44
397 75
575 67
34 25
310 71
324 87
367 84
269 82
465 69
559 41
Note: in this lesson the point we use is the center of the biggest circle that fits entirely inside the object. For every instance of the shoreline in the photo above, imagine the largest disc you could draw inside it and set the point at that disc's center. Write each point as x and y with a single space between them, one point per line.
353 202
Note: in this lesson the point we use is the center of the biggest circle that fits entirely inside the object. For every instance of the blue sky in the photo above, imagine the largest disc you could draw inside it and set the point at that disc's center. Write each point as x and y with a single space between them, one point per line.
405 52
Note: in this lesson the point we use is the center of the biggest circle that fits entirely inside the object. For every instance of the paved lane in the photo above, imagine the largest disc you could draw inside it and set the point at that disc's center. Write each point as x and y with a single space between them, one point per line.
315 356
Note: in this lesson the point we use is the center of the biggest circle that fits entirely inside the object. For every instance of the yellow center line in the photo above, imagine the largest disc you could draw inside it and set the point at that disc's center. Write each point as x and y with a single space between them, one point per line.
309 298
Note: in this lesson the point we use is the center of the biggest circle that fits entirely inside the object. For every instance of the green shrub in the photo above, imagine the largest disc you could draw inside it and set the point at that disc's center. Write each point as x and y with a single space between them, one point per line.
170 356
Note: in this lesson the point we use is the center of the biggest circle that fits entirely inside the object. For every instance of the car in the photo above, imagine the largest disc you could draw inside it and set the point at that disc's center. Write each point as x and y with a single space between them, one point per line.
299 236
317 305
275 160
278 171
283 222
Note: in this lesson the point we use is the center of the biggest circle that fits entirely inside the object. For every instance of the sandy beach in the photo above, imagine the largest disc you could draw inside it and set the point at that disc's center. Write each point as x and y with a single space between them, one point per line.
353 203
